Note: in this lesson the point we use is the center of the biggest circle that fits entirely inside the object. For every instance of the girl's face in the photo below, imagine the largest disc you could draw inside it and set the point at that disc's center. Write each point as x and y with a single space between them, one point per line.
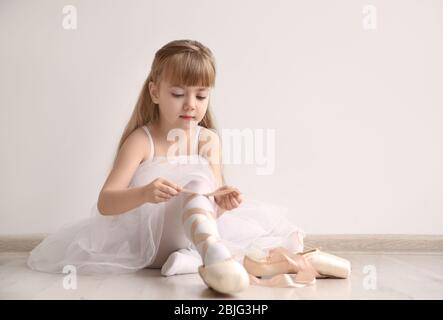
179 106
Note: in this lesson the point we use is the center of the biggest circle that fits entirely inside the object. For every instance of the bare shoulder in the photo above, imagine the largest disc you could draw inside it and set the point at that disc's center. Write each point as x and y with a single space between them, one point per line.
136 146
132 152
140 141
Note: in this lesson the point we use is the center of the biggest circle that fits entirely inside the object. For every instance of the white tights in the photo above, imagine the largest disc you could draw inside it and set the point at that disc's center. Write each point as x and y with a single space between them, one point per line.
189 223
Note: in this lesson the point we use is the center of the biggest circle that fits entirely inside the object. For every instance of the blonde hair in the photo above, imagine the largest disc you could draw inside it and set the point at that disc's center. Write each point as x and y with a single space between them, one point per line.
180 62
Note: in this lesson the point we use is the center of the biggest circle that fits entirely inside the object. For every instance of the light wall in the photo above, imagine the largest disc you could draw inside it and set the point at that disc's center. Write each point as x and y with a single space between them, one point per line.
357 112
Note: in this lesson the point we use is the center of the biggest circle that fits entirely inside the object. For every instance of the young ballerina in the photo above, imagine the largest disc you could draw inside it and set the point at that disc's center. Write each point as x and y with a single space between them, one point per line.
156 209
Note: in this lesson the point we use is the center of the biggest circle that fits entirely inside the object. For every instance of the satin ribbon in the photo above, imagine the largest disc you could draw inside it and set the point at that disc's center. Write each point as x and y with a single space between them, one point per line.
214 193
219 210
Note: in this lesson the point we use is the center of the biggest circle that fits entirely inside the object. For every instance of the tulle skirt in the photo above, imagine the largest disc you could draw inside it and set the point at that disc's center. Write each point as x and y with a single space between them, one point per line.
129 241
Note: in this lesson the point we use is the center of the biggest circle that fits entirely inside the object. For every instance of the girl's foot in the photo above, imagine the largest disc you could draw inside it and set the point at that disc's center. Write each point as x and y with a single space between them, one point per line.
183 261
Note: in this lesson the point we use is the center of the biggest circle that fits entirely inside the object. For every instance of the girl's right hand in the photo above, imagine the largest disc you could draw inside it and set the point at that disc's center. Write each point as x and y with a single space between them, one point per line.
161 190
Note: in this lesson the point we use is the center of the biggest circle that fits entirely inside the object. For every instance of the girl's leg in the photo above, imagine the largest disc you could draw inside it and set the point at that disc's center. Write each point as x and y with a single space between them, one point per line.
173 237
219 271
200 226
190 221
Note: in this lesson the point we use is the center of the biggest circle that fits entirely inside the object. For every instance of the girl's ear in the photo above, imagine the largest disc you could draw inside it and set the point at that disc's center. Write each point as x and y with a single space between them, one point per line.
153 90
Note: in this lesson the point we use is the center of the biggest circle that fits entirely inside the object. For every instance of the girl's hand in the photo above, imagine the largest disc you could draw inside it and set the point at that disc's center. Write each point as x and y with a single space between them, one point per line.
230 200
161 190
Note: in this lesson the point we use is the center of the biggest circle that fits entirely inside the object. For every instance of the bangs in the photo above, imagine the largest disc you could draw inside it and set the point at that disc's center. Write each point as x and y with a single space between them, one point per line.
189 69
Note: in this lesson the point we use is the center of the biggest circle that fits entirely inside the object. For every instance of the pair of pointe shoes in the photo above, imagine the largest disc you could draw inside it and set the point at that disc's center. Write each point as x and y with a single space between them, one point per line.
289 269
286 269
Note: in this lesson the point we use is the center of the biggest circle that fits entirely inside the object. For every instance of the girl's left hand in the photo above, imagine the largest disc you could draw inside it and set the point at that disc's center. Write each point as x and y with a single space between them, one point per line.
230 200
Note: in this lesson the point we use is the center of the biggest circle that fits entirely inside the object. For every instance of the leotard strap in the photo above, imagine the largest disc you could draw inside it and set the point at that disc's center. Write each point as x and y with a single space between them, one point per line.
195 150
151 142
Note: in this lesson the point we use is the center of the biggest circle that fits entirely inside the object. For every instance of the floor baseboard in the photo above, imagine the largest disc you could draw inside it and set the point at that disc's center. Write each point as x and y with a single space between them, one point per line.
20 243
389 243
377 243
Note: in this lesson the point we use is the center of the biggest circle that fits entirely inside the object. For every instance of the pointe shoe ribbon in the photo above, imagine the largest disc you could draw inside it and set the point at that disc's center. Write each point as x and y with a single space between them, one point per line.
214 193
300 272
220 210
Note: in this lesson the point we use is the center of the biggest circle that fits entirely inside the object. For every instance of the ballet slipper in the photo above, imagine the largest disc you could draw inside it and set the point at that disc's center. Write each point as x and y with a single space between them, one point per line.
325 265
286 269
227 276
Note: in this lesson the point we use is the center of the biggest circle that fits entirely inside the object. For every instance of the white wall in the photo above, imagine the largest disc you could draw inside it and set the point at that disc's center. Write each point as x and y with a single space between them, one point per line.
357 113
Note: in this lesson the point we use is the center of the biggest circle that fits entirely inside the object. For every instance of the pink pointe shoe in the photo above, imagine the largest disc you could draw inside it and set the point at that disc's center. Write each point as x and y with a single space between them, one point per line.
281 264
226 276
328 265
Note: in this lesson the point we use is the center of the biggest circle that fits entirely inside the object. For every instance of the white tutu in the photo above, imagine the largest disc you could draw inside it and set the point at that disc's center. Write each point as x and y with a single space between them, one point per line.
128 242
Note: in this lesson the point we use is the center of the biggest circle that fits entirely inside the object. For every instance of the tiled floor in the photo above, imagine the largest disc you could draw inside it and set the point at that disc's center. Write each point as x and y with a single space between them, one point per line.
374 276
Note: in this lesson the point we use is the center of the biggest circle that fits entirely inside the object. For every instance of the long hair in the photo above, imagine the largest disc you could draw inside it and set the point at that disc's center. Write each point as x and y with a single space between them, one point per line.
181 62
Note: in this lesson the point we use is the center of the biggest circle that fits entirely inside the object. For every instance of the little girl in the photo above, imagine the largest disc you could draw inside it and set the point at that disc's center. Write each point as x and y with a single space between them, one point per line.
152 210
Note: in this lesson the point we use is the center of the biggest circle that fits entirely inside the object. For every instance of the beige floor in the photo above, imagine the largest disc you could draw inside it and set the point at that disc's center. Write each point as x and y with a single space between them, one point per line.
397 276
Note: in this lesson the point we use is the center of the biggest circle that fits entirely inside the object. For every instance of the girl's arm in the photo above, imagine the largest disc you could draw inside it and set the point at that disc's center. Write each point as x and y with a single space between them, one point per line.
113 202
115 196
